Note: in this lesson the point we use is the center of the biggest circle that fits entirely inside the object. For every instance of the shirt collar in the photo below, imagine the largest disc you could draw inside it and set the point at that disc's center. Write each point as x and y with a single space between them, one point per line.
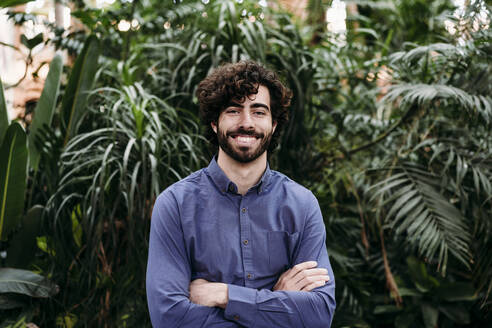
221 180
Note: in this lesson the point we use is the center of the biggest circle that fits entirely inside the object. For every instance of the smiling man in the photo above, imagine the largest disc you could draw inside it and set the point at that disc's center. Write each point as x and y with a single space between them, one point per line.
250 127
237 244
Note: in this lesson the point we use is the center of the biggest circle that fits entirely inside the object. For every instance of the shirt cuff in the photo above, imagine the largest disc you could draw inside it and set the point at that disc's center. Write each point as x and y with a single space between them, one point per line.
241 306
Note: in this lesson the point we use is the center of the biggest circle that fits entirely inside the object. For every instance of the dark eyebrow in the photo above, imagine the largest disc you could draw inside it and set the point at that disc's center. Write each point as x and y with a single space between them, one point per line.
254 105
257 105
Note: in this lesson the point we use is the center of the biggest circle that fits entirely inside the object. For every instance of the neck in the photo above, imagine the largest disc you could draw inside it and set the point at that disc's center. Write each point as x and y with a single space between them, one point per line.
244 175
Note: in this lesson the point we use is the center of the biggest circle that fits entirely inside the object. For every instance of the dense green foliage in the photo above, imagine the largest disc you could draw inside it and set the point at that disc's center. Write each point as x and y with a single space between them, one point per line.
390 127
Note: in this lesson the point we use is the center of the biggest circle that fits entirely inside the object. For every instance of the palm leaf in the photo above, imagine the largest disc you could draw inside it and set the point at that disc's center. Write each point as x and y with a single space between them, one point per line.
418 52
25 282
429 222
45 108
424 94
13 171
79 86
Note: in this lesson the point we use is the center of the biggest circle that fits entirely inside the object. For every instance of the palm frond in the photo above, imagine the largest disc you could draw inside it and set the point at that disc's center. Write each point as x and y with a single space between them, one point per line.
423 215
444 49
426 94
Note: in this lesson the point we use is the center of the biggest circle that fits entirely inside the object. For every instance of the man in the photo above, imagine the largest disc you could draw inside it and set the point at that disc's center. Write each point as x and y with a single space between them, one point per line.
237 244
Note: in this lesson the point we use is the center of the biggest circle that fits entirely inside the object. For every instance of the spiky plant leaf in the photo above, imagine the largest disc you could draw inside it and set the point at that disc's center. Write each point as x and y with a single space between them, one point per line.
13 178
424 216
45 108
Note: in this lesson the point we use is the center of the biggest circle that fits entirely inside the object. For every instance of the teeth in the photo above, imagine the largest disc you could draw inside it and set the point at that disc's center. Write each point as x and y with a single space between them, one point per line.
245 139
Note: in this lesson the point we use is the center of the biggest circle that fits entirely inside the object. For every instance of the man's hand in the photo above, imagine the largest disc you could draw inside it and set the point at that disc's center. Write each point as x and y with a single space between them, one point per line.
212 294
302 277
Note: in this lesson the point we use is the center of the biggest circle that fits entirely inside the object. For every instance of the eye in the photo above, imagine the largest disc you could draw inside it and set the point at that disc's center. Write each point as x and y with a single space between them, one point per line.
260 112
232 111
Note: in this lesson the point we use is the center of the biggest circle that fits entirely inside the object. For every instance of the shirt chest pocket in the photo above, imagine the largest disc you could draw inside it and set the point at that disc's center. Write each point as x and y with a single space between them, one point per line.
281 246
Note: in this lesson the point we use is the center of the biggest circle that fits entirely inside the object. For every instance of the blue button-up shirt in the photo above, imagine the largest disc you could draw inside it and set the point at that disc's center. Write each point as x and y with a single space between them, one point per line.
202 228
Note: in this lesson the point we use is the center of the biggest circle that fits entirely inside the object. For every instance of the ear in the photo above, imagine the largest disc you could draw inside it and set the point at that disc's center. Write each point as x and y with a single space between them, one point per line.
214 126
274 125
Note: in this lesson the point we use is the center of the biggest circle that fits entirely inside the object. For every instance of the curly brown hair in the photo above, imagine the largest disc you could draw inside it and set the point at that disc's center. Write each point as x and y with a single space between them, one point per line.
237 81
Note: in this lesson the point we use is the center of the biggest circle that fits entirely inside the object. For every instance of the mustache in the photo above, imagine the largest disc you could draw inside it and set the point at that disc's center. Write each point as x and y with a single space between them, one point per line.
244 132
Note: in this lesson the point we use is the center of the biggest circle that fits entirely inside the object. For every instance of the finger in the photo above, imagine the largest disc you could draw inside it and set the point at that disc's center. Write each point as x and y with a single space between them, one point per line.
198 282
310 272
313 285
311 279
300 267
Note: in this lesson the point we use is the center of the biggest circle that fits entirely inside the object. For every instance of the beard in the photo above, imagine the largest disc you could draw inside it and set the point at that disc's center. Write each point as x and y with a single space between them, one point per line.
243 154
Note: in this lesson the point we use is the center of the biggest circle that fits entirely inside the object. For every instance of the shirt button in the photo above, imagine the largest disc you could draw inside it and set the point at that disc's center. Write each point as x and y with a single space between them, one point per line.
245 242
243 210
236 317
249 276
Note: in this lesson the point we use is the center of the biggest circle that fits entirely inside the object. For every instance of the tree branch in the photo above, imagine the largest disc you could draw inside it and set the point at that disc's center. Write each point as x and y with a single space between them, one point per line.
403 119
20 80
10 46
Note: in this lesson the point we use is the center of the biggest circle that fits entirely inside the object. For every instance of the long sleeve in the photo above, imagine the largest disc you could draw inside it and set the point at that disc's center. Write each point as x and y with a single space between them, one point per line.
169 274
265 308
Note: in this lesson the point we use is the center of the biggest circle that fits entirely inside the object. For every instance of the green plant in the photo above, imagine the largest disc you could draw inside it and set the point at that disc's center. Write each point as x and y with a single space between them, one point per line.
13 177
12 3
109 180
390 128
18 150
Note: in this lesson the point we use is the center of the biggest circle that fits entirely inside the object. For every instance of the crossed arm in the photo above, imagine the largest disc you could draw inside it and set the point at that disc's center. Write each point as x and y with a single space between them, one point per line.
295 301
304 277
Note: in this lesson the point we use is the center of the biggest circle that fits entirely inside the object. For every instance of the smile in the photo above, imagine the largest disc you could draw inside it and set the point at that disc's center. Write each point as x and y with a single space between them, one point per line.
244 140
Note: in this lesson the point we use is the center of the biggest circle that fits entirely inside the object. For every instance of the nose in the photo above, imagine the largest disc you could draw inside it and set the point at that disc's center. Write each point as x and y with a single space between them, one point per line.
246 120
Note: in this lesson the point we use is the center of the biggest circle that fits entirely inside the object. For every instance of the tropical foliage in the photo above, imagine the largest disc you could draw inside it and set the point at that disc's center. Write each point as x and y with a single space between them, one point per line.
390 127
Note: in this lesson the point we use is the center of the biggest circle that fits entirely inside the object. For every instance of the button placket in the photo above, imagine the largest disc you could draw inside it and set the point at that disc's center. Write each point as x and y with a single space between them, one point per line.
246 241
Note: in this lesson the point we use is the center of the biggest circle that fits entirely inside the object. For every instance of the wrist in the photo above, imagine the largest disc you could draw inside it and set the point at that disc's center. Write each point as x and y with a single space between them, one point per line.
222 297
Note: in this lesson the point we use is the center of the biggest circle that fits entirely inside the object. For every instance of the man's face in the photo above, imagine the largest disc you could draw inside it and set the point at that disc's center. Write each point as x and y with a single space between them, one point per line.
244 130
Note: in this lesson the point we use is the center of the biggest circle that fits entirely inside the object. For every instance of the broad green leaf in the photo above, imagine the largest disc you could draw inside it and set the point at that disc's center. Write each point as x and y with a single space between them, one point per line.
405 320
456 291
45 108
408 292
379 309
13 170
430 315
457 313
79 86
22 248
26 282
4 117
33 42
12 3
419 275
